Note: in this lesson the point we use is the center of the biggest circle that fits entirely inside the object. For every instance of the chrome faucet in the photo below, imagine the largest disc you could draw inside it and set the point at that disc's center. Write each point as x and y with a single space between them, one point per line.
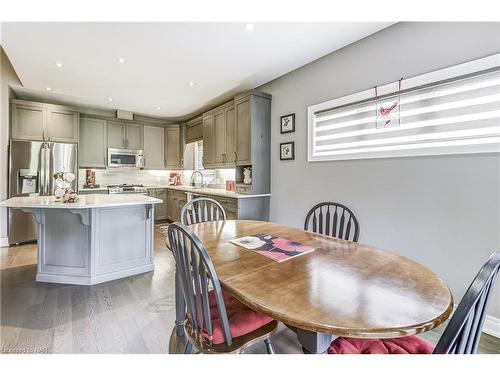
192 178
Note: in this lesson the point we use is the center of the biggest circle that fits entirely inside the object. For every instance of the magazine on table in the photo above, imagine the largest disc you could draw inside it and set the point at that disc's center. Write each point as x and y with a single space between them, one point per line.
276 248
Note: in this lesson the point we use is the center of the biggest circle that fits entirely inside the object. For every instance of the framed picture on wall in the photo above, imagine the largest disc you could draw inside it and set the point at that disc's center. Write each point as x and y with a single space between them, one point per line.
287 123
287 151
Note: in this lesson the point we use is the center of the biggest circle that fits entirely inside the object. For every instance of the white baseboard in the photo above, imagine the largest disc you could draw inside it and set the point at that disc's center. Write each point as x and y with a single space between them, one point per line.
492 326
4 242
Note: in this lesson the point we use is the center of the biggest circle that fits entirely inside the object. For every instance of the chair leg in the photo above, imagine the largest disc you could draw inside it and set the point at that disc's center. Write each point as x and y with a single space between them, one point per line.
269 346
188 349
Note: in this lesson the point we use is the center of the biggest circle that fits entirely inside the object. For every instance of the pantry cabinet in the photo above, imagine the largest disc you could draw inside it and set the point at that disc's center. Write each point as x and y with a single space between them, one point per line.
34 121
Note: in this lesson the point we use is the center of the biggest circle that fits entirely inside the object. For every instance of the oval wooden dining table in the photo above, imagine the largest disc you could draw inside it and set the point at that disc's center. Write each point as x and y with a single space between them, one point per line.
342 288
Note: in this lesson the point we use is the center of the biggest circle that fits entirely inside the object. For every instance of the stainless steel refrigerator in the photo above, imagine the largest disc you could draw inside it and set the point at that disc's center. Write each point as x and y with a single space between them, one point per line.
31 172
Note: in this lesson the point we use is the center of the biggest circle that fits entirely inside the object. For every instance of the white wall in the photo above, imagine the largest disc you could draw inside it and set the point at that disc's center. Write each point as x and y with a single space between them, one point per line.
8 77
442 211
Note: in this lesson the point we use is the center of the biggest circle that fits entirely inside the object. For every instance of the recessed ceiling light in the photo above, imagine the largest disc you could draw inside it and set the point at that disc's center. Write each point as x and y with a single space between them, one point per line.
191 83
158 108
121 60
110 100
48 88
249 26
59 64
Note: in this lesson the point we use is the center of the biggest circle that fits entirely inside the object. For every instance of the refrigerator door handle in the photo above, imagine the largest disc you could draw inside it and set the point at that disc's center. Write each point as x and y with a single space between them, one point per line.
47 170
43 170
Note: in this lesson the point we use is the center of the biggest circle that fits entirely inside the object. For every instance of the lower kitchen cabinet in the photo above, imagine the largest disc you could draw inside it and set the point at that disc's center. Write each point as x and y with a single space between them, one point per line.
248 208
161 209
176 200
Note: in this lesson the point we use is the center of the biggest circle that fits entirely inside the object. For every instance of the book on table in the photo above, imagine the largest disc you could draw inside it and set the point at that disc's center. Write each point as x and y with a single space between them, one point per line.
276 248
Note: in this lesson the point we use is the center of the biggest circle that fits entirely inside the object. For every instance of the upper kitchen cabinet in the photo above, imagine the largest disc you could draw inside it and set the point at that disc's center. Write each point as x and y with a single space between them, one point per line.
208 140
244 130
125 135
92 145
253 126
28 121
116 134
154 156
219 128
173 147
194 130
135 136
219 137
230 133
62 125
43 122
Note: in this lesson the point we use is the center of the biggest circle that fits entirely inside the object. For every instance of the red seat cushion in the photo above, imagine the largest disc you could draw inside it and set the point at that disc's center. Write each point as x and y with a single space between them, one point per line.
401 345
242 320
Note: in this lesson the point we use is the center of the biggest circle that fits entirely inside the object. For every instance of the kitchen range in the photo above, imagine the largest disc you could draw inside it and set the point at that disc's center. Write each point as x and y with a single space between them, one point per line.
127 189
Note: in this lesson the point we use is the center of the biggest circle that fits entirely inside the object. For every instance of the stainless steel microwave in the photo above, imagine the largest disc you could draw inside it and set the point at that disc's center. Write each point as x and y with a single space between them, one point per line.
118 157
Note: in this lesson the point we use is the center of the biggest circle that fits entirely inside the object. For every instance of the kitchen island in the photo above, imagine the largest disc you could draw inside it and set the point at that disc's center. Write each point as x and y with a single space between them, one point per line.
97 239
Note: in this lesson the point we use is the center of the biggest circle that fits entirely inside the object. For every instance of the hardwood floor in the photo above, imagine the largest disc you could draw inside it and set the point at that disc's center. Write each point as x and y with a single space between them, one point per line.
131 315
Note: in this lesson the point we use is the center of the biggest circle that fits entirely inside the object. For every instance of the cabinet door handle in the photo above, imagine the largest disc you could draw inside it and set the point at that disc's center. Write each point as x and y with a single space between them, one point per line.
235 156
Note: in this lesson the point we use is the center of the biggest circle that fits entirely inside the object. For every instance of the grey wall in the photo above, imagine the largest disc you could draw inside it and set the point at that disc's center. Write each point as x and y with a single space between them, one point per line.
8 77
442 211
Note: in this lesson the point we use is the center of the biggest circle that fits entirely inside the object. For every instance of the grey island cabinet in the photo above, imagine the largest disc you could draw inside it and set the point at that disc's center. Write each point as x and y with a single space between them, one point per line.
100 238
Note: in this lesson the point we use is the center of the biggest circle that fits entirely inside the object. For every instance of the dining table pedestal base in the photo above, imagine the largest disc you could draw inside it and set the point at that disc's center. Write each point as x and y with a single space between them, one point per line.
314 342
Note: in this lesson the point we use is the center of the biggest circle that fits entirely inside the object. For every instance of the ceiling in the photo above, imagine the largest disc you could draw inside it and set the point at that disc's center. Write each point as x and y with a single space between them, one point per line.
171 70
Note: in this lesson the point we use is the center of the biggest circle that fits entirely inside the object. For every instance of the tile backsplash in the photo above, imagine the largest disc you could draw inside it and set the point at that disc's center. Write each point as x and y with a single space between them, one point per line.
105 177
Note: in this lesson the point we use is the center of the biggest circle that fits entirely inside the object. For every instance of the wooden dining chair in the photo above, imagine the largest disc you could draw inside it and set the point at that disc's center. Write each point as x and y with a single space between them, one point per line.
461 335
199 210
195 211
333 219
215 321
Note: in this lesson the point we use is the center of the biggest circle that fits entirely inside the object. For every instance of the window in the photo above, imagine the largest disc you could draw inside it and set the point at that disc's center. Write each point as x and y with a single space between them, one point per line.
450 111
208 174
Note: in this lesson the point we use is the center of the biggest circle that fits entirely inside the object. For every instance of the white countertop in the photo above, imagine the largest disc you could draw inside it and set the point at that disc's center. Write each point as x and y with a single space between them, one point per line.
210 191
86 201
197 190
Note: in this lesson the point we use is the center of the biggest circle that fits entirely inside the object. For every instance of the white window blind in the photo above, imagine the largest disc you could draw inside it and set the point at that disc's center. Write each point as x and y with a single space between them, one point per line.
455 114
208 174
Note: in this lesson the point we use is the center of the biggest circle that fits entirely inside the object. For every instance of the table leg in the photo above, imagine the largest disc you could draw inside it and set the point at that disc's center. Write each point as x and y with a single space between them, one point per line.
180 307
314 342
